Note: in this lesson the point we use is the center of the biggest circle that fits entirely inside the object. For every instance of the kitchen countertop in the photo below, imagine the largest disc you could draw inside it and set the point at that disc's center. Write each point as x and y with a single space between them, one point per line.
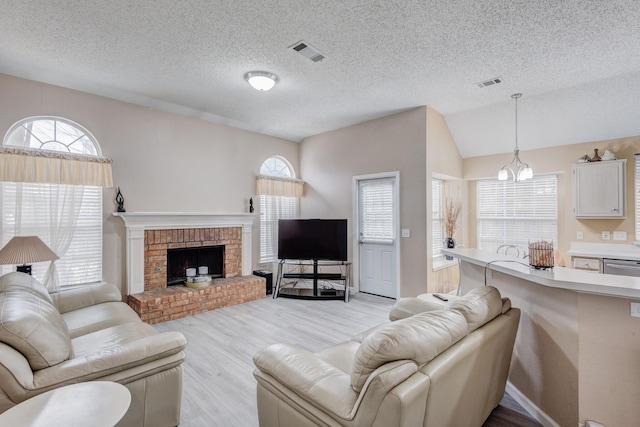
559 277
604 250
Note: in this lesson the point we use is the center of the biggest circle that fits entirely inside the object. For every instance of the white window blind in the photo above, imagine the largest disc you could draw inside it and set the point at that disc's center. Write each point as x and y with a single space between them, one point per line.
376 209
436 216
30 213
636 172
273 208
514 213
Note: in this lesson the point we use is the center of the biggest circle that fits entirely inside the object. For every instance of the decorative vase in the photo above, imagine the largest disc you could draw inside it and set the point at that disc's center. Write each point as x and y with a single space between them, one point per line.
596 157
449 243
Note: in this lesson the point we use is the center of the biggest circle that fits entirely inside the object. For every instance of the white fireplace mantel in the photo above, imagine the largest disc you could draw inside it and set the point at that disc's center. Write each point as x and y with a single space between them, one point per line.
137 222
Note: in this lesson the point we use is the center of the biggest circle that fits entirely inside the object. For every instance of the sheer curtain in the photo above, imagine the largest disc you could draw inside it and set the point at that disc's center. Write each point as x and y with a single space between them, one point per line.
65 202
50 212
45 194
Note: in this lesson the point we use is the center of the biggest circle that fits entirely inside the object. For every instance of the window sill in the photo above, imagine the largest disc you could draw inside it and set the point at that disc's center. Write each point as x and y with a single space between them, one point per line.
442 263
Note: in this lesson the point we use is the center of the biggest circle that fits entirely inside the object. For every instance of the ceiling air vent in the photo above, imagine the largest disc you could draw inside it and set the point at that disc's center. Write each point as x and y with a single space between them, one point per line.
307 51
489 82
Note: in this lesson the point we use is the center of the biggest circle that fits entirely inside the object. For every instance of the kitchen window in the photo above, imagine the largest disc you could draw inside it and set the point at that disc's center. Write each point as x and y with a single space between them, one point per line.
636 189
516 213
436 220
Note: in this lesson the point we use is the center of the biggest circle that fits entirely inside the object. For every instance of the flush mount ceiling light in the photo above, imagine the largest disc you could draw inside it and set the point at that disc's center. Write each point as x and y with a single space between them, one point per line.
522 170
261 80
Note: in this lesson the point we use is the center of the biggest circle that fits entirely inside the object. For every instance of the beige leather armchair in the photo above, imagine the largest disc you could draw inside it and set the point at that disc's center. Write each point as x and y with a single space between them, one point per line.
84 334
442 365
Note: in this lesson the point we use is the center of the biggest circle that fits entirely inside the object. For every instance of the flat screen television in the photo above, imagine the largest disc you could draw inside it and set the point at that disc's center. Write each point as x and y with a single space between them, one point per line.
313 239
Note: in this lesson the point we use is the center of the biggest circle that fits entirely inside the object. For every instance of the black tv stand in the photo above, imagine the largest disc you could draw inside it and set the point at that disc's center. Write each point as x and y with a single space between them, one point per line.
287 281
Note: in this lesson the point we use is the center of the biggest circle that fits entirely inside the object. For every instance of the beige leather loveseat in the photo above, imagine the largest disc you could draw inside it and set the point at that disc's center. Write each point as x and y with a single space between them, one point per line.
437 365
84 334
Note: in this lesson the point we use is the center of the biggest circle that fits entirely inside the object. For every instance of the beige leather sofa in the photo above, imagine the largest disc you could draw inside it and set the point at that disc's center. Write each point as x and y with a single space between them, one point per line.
437 365
84 334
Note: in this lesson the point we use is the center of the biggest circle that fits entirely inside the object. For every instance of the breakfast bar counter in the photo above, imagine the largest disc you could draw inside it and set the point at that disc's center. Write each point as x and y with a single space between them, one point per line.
558 277
577 353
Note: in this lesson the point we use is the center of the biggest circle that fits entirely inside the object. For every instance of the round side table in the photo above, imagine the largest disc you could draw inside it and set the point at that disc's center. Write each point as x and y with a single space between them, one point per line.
94 403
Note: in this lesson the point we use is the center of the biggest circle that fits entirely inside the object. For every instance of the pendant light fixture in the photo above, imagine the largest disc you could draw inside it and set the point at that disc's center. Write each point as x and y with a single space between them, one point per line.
261 80
520 171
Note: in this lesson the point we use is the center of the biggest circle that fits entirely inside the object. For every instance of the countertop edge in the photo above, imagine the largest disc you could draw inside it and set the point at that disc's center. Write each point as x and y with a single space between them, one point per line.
559 277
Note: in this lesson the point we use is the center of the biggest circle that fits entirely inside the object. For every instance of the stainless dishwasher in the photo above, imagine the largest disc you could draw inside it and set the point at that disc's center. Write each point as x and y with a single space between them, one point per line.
621 267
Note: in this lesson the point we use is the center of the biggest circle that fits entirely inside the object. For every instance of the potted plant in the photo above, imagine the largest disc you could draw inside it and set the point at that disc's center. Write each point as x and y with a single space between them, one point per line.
452 211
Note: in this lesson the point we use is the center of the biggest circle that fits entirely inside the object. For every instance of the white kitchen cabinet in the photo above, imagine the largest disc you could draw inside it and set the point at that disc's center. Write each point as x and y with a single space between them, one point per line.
599 189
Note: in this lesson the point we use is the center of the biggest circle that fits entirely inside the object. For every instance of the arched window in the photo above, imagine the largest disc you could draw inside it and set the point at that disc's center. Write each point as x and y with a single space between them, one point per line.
279 193
277 166
53 189
52 134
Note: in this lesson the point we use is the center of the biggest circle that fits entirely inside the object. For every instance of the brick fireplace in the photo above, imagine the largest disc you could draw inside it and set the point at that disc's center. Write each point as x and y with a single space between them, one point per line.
157 242
150 235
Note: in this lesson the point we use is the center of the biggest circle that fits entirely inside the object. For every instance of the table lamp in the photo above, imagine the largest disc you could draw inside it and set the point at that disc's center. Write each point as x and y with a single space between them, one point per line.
26 249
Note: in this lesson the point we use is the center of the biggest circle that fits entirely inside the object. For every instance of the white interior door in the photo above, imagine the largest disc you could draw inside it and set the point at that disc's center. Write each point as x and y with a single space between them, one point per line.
377 231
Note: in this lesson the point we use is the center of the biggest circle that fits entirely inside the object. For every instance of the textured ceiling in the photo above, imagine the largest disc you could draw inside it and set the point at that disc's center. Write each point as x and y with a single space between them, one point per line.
577 62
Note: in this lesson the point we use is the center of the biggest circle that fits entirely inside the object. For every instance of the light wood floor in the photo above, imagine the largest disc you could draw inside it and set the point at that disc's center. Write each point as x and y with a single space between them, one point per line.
219 388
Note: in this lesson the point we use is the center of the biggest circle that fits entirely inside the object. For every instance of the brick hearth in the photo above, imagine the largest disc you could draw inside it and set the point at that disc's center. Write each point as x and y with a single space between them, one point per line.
159 303
174 302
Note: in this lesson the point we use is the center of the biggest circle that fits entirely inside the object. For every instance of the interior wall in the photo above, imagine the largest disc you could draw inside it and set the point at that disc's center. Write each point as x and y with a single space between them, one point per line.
559 160
444 160
162 162
544 366
329 161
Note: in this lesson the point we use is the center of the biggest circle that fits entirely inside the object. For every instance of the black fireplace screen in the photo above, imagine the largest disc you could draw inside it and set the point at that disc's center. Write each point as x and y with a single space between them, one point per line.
178 260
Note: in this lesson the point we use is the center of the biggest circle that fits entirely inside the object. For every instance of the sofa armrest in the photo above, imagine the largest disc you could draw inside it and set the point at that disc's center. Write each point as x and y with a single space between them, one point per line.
106 362
313 379
16 375
323 385
84 296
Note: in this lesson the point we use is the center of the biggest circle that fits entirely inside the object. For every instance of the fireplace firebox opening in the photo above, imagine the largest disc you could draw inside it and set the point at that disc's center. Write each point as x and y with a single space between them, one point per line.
178 260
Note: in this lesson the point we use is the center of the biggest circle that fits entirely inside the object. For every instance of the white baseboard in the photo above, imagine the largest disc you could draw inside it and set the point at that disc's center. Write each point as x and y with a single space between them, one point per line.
536 413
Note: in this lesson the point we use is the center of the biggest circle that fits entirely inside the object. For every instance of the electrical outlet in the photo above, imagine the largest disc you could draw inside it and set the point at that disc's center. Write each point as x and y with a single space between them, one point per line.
606 235
635 309
406 232
620 235
580 235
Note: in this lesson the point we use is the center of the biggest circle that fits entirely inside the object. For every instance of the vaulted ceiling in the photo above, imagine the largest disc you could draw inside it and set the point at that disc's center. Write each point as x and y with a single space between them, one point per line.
577 62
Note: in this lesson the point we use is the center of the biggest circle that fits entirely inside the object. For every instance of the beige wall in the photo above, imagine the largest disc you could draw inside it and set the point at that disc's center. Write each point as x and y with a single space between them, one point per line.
328 163
559 160
545 360
161 161
608 366
444 160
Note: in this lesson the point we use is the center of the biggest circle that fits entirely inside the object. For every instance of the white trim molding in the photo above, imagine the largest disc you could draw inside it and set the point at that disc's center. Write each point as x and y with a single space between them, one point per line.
137 222
531 408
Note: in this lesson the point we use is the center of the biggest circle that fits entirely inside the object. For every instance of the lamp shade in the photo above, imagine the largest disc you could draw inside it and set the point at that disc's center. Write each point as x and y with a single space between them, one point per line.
26 250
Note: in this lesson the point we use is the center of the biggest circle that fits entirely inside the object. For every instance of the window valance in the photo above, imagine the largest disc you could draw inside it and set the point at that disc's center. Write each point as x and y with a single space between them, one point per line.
47 167
279 186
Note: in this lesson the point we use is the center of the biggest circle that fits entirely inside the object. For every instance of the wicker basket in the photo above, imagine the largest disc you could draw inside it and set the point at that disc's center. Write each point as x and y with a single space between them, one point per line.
541 254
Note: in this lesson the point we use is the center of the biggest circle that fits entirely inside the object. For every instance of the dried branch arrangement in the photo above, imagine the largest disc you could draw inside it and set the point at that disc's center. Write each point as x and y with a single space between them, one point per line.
452 211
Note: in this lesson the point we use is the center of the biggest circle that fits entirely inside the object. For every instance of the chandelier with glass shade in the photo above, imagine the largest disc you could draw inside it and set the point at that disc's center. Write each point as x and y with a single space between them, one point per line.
516 169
